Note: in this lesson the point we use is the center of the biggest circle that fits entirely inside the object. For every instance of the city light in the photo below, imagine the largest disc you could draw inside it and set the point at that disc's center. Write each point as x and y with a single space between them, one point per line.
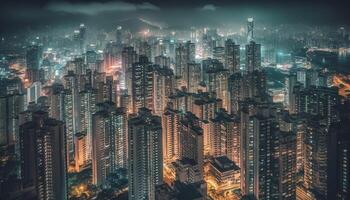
182 100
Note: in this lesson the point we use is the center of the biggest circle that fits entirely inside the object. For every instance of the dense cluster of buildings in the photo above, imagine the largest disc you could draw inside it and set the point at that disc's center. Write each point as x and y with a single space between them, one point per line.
182 127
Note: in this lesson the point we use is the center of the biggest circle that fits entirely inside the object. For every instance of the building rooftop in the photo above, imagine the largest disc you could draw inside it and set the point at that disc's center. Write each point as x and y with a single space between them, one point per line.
223 164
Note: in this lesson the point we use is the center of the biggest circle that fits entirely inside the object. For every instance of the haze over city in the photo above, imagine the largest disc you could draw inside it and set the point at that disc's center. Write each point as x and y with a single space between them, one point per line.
174 100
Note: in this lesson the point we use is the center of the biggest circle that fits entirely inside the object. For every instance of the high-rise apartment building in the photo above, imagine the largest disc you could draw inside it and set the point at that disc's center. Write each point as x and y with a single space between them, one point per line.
145 168
43 158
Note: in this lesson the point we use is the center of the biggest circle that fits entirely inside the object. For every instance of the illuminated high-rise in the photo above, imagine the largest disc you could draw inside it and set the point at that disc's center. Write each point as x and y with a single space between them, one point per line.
171 134
145 49
232 56
33 56
217 83
91 60
236 89
250 29
164 85
121 139
71 115
192 142
34 92
258 126
192 76
339 156
219 54
88 99
145 168
129 57
205 107
82 37
119 35
224 136
43 158
185 53
11 105
108 142
285 143
142 86
162 61
252 56
316 156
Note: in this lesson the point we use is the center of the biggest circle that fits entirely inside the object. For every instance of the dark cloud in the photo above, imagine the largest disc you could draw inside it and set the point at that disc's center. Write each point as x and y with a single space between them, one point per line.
94 8
25 14
208 7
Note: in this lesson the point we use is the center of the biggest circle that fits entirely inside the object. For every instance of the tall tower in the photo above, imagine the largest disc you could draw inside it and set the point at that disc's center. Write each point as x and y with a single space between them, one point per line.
82 37
87 109
118 36
121 138
71 115
250 29
145 166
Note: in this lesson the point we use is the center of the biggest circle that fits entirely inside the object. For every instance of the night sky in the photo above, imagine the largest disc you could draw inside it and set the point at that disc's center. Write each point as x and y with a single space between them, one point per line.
24 14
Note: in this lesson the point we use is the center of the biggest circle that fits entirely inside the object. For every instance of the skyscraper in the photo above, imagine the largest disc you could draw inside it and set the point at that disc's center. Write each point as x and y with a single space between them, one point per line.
258 127
142 85
224 136
192 142
43 158
108 141
11 105
118 35
82 37
285 146
71 115
192 76
217 83
252 56
250 29
145 166
88 99
171 134
121 139
316 159
338 158
219 54
129 57
232 56
184 54
162 61
33 56
164 85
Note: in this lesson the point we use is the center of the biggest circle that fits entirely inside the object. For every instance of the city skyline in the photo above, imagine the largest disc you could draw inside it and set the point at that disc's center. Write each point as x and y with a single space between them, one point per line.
193 100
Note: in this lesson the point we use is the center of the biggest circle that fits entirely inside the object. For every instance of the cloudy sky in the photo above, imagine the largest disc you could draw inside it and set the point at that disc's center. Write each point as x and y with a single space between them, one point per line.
15 14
